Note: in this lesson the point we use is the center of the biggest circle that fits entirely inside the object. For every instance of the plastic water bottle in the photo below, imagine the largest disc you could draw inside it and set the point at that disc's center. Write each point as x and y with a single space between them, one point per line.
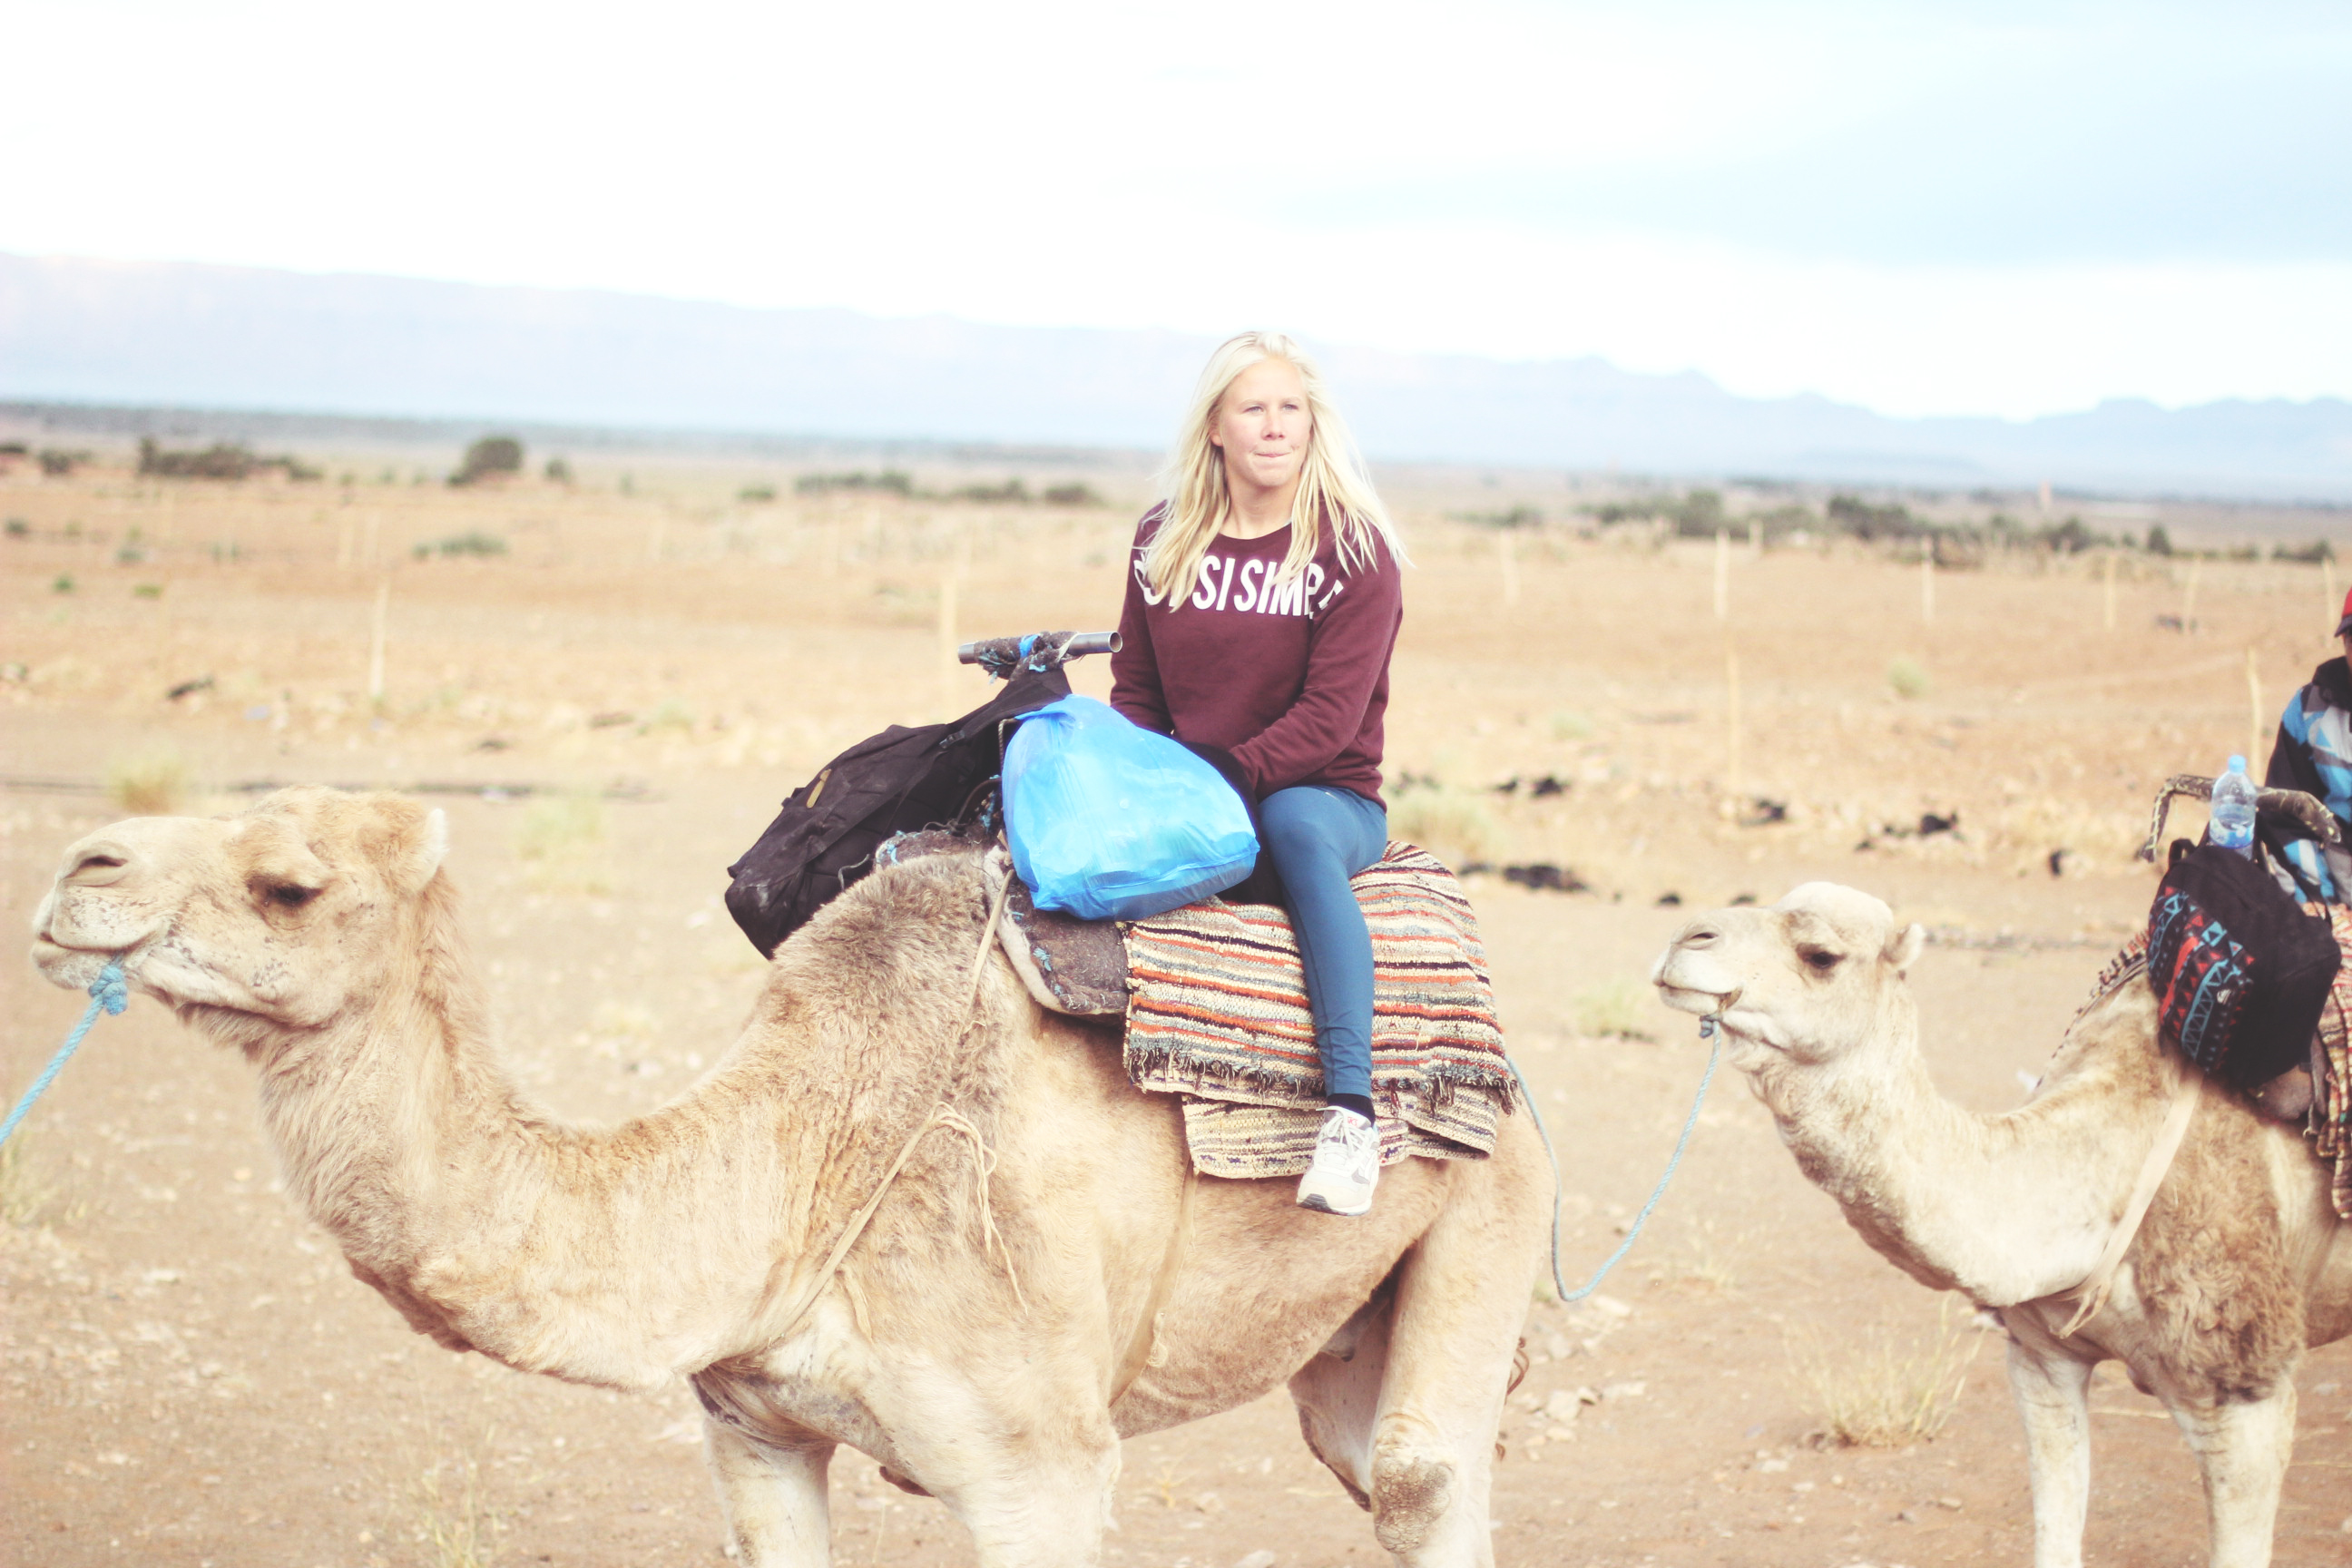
2232 824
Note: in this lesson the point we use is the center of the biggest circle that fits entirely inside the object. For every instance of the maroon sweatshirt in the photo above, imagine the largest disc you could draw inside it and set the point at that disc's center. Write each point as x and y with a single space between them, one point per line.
1293 680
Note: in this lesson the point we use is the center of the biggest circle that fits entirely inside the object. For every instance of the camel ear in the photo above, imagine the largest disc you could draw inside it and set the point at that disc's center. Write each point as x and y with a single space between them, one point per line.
435 845
418 852
1903 947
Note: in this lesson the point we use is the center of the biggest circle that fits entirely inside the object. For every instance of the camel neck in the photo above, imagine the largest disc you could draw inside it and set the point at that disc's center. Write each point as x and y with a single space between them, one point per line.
2007 1208
601 1257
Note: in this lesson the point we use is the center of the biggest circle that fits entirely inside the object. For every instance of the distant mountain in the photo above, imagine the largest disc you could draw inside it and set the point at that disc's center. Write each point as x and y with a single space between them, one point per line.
218 337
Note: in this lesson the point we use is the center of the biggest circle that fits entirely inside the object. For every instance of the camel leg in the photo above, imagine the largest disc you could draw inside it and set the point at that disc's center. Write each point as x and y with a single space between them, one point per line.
1033 1512
2052 1392
1338 1393
2243 1447
1461 1298
774 1498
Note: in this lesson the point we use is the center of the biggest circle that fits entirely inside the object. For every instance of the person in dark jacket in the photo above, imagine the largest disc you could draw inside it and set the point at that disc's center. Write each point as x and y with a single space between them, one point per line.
2313 754
1260 613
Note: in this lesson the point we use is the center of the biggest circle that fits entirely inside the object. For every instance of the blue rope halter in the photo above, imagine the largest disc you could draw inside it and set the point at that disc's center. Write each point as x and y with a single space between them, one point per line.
107 993
1707 1031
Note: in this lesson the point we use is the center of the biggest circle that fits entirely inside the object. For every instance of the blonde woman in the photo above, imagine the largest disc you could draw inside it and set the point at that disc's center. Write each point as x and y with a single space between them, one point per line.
1260 614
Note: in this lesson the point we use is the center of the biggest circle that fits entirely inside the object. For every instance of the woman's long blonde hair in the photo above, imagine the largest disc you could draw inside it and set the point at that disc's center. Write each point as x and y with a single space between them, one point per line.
1333 486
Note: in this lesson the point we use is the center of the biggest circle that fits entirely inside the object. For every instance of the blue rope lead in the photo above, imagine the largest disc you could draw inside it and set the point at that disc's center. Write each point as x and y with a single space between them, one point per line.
107 993
1713 1054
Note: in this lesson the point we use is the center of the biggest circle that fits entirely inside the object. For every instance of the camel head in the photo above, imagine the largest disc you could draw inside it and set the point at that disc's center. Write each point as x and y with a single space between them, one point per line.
286 914
1807 980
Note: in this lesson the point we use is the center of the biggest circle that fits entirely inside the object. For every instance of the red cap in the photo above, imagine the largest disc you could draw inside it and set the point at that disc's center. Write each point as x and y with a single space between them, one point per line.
2344 622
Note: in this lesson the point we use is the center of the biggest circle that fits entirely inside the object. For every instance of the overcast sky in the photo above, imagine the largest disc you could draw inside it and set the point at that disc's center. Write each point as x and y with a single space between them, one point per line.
1923 209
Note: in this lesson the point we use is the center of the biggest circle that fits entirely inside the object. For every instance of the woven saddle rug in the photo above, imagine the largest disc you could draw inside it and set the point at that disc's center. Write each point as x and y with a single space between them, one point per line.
1217 1014
2329 1126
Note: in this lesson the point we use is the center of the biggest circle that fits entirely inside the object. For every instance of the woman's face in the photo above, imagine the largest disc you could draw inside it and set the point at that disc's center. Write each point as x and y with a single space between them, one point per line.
1262 425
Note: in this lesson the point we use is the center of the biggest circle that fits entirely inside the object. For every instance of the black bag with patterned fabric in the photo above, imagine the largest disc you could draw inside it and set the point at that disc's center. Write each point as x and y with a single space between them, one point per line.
2240 971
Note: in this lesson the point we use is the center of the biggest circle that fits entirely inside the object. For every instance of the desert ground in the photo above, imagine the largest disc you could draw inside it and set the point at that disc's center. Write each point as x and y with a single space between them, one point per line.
610 683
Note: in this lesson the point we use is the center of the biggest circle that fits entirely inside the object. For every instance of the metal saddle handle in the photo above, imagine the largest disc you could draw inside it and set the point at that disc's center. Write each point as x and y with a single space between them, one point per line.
2306 810
1039 651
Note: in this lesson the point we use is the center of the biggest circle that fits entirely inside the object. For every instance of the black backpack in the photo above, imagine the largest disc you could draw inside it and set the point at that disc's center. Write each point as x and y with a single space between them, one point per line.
899 781
2240 970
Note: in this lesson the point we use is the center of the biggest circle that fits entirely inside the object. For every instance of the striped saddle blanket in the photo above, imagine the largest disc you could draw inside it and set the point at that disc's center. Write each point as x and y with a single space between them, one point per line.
1217 1014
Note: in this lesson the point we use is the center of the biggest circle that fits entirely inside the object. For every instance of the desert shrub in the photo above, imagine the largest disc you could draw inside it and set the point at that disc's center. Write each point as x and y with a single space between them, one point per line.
558 471
221 460
1907 677
58 463
1570 726
1783 520
1011 492
1852 515
473 542
1516 517
492 457
1618 1010
756 493
1454 827
62 582
561 843
669 713
19 529
152 783
2160 543
1699 514
888 481
454 1523
1072 495
1885 1391
2071 537
30 1195
2310 554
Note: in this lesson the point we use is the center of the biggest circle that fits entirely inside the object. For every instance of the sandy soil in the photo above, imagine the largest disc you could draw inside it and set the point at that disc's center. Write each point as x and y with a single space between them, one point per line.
188 1375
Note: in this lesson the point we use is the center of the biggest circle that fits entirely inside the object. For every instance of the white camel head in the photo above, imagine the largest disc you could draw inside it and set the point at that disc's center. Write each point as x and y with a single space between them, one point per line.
1809 979
286 914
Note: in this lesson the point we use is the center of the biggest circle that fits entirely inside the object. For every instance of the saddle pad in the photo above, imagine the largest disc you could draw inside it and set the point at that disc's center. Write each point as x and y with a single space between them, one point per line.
1217 1012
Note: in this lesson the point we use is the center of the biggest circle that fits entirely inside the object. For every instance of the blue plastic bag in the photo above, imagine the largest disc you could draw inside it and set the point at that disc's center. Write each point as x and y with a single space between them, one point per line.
1109 821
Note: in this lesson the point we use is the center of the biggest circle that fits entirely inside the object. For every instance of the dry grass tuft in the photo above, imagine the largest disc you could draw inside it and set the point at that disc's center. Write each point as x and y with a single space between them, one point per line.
561 844
1880 1390
1908 678
1455 828
28 1195
1618 1010
152 783
457 1528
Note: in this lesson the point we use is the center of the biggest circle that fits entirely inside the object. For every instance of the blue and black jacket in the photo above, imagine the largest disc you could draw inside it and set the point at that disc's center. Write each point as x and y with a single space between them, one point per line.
2313 754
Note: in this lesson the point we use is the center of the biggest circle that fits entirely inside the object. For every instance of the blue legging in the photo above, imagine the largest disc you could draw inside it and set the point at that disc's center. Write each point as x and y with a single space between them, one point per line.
1319 837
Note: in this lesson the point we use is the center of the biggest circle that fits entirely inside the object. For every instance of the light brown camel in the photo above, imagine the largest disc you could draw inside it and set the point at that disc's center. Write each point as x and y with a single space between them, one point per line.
2238 1265
318 934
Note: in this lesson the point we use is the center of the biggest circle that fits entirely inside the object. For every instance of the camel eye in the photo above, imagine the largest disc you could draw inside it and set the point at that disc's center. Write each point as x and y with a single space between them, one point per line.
292 895
1821 959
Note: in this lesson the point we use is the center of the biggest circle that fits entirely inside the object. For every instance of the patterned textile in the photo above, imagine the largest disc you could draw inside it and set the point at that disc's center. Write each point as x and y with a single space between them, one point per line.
2124 967
2203 975
1218 1014
2331 1106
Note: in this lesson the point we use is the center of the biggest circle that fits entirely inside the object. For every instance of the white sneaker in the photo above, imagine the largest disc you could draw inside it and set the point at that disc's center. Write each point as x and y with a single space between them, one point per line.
1346 1164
